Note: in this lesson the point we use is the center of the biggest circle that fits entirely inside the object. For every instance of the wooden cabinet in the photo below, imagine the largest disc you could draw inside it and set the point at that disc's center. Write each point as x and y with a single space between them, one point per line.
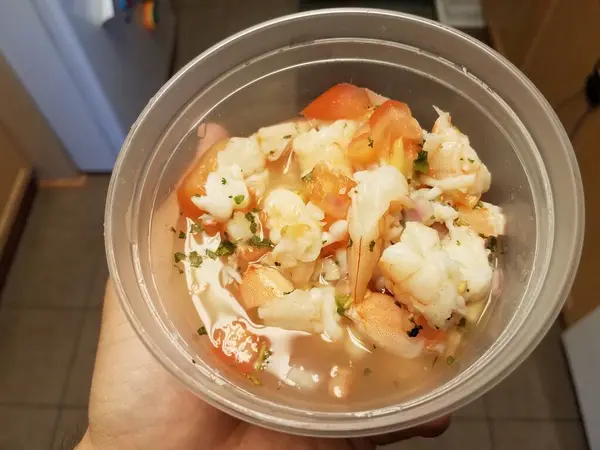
556 44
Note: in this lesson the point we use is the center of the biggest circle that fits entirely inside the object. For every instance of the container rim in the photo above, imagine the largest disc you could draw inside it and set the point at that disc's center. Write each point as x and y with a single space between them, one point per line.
375 423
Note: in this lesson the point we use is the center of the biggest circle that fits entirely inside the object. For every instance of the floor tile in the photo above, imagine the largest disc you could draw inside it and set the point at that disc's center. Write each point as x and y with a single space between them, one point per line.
80 376
72 207
53 267
474 410
71 427
96 295
539 389
24 428
462 435
543 435
36 349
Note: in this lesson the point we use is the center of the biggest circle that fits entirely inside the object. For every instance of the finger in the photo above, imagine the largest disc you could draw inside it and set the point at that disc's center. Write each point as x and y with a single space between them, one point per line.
428 430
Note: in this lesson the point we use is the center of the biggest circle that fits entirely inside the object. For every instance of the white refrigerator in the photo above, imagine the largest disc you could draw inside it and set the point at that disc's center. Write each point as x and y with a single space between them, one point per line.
89 71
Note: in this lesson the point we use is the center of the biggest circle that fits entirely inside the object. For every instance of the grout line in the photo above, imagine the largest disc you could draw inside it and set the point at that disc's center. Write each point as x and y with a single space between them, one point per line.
51 308
32 405
65 387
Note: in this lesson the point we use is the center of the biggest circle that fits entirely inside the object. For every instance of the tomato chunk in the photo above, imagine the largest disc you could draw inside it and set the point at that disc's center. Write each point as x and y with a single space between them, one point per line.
240 347
342 101
328 189
391 121
194 181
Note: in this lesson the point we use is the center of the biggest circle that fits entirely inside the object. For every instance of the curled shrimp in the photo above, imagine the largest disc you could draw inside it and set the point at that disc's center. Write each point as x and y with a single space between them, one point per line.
454 165
381 319
376 191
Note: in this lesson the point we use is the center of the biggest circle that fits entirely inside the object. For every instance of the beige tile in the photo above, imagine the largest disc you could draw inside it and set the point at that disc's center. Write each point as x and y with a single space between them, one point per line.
36 348
80 377
72 207
543 435
53 267
23 428
462 435
539 389
71 427
474 410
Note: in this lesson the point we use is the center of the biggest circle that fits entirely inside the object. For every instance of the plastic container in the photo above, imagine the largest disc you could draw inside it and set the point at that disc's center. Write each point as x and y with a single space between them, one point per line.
266 74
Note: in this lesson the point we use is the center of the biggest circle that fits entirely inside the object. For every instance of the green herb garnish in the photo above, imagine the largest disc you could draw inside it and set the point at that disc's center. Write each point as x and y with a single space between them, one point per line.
414 331
471 160
343 302
225 248
478 205
307 177
196 228
202 331
371 142
253 225
211 254
238 199
458 243
181 235
349 243
420 164
257 242
277 264
450 360
178 257
367 371
371 246
223 181
173 230
263 356
287 136
195 259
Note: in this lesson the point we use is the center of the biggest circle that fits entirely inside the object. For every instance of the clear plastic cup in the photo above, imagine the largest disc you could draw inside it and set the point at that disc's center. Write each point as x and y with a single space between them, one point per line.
264 75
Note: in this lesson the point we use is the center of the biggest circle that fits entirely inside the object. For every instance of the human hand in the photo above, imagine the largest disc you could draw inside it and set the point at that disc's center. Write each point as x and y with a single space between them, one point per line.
135 403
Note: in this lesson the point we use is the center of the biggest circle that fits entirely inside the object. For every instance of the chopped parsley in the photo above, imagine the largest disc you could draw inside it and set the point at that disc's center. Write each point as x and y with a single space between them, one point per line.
277 264
308 176
414 332
173 230
223 181
211 254
195 259
462 322
421 164
349 243
471 160
238 199
196 228
478 205
458 243
181 235
253 379
253 225
367 371
225 248
202 331
371 142
178 257
263 355
255 210
257 242
287 136
289 292
179 269
371 246
343 302
450 360
492 244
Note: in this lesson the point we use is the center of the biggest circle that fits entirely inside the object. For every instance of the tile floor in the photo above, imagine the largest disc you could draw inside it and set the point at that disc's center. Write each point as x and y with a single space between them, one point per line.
50 308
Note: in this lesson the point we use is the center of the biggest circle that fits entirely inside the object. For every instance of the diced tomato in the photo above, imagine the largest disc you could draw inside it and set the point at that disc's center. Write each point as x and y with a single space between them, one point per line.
194 181
246 254
460 198
342 101
328 189
391 121
429 333
361 150
238 346
479 219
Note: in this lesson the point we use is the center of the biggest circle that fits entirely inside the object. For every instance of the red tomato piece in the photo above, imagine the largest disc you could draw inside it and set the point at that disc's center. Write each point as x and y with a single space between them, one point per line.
391 121
342 101
239 346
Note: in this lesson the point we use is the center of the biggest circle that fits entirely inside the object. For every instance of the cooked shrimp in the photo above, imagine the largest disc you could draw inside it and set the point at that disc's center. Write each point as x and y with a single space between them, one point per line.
467 249
371 199
422 276
384 321
485 218
261 284
454 166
